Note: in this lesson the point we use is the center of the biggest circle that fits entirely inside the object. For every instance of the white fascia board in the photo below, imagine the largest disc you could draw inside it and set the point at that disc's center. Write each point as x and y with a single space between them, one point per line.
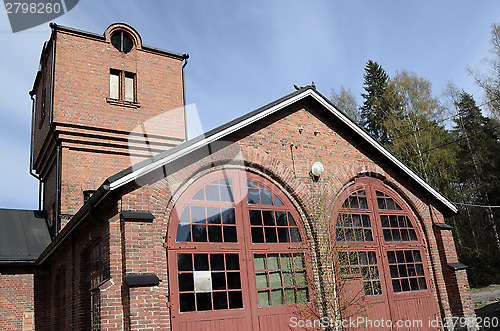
310 92
159 163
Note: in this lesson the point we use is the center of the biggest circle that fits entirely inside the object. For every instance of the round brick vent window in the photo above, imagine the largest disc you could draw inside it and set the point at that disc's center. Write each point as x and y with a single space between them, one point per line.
122 41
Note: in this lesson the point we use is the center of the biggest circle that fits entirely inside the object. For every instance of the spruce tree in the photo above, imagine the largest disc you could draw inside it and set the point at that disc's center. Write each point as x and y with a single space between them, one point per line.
374 109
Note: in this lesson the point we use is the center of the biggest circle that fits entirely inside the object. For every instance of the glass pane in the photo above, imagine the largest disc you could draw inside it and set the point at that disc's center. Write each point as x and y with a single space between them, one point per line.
356 220
255 217
264 299
288 279
268 217
343 258
384 219
377 289
220 300
200 261
226 181
270 235
349 234
367 286
396 286
298 261
257 235
420 269
214 233
413 235
185 216
277 201
261 279
200 195
339 234
294 235
253 196
368 235
281 218
266 197
127 43
283 235
275 279
213 215
381 203
286 261
303 295
183 232
212 192
277 297
235 299
402 221
217 261
114 85
409 256
203 301
184 262
404 235
129 88
394 271
394 221
353 201
230 234
199 233
387 235
402 270
363 259
218 281
260 262
396 236
198 214
421 283
233 280
228 216
366 221
116 40
390 204
186 302
273 261
232 262
300 277
400 256
362 203
405 285
416 256
359 234
290 296
226 194
251 183
413 284
391 256
186 282
291 221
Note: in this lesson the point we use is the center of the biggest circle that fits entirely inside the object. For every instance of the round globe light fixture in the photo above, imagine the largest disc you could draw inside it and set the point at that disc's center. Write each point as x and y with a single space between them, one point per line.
317 169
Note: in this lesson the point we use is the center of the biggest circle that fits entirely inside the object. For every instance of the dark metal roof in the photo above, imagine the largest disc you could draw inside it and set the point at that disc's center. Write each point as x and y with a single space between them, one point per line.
134 280
23 235
443 226
457 266
132 215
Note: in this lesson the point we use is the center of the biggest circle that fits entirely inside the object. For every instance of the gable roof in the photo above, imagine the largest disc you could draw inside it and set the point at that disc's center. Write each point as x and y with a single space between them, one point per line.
143 168
157 161
23 236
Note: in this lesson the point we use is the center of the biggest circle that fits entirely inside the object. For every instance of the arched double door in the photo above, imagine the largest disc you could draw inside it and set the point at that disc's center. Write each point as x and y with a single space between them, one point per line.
236 258
381 258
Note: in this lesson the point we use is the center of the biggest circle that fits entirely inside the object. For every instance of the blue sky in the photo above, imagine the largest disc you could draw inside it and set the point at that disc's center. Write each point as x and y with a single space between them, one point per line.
245 54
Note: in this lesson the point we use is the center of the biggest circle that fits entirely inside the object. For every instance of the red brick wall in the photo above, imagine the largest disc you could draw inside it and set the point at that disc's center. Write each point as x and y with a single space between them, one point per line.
98 137
137 247
16 298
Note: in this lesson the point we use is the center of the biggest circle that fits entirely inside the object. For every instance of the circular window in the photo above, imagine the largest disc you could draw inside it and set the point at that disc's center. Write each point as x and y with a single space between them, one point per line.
122 41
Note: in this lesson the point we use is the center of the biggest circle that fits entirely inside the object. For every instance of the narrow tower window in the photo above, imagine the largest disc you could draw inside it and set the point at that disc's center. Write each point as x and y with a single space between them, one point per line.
122 41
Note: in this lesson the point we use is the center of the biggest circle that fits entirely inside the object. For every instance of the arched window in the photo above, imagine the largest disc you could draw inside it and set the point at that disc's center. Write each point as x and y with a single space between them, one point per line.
235 250
380 249
122 41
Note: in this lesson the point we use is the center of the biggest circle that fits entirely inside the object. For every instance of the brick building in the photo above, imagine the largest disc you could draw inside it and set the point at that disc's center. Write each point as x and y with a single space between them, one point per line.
251 224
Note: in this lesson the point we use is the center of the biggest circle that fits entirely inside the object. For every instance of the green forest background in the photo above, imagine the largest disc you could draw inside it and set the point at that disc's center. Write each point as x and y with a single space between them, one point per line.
451 141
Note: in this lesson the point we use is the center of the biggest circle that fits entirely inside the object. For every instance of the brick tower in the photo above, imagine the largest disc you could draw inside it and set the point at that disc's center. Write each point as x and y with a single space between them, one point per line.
101 103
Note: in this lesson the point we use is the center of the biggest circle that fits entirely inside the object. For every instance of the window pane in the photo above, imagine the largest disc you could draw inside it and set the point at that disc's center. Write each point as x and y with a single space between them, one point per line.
265 197
226 194
273 261
303 295
268 217
114 85
199 233
217 261
281 218
260 262
290 296
264 299
233 280
283 235
129 88
186 302
230 234
277 297
228 216
253 196
213 215
183 232
261 279
257 235
235 299
220 300
200 261
214 233
203 301
127 43
275 279
186 282
184 262
232 262
218 281
116 41
270 235
212 192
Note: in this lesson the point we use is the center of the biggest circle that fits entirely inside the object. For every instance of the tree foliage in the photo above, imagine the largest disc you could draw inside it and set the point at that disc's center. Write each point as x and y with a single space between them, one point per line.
346 101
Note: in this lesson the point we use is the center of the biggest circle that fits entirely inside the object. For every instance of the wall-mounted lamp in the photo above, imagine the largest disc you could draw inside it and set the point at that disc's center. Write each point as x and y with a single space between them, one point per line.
301 128
316 170
316 132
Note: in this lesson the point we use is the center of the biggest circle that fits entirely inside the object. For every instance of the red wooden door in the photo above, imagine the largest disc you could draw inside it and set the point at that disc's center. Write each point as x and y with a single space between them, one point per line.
235 255
392 280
